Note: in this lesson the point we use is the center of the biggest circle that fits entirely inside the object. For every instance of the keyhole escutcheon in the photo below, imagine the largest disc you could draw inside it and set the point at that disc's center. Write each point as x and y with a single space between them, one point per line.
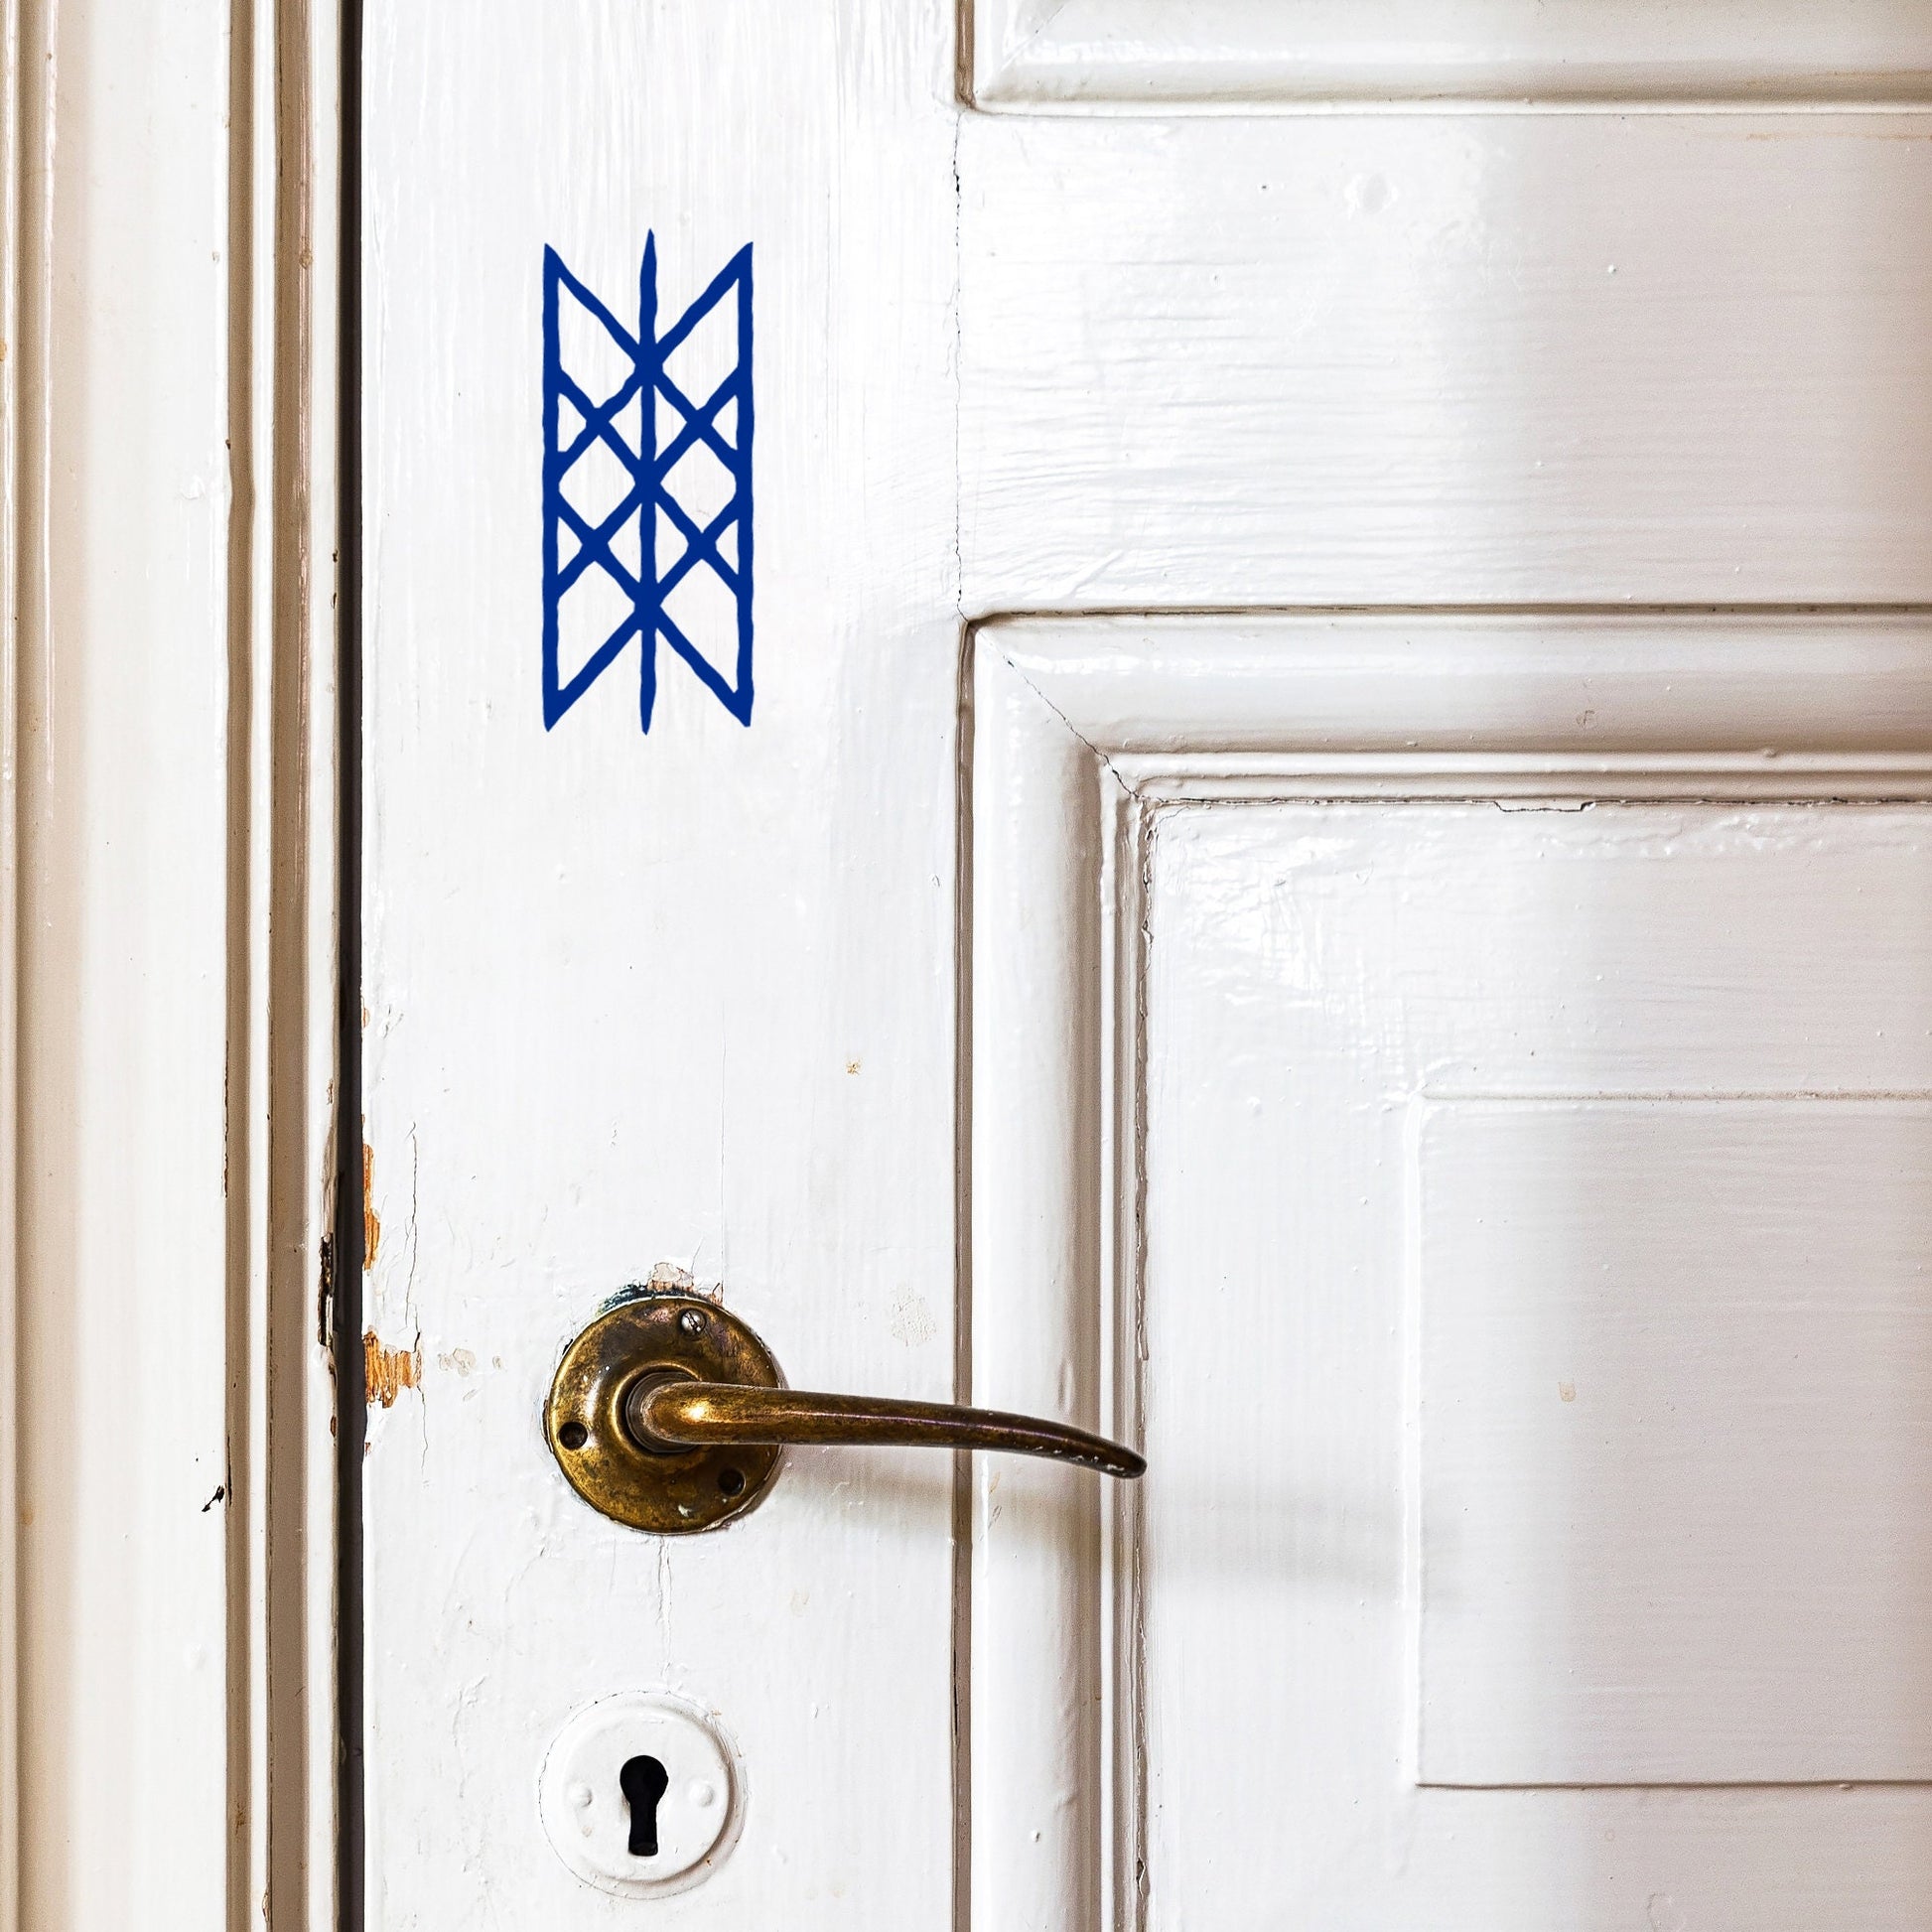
643 1781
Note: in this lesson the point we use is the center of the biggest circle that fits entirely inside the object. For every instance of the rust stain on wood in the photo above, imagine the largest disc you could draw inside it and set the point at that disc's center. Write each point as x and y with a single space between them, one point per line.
371 1222
386 1372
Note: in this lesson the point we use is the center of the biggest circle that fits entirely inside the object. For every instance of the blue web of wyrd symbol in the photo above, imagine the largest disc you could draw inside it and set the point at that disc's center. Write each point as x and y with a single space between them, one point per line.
650 425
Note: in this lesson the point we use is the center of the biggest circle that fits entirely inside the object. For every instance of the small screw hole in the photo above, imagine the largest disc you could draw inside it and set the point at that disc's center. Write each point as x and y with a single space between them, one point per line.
731 1482
573 1435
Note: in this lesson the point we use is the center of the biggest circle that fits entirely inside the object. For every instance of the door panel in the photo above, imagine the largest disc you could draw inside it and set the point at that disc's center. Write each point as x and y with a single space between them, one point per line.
1222 362
1493 1192
1671 1404
1569 1395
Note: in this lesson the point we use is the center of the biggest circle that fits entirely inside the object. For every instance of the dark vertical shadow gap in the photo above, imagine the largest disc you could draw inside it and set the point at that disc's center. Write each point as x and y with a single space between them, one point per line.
350 1400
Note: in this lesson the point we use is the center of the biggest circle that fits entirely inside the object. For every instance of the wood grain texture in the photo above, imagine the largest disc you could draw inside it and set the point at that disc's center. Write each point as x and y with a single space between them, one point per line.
1244 53
1444 359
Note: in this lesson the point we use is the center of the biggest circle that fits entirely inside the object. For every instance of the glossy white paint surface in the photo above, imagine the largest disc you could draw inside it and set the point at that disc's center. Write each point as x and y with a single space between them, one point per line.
1674 1354
1226 363
1372 896
1243 54
1574 1442
683 1000
923 1022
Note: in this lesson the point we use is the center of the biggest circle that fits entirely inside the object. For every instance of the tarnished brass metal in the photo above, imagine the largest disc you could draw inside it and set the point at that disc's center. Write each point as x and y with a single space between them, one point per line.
668 1414
687 1414
643 1343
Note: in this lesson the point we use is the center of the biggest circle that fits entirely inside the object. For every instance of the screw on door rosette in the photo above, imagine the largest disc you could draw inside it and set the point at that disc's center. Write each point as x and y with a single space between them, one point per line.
642 1794
631 1347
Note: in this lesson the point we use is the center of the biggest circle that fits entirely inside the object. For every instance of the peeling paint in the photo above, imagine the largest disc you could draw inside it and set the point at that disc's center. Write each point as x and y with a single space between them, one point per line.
326 1297
371 1222
386 1372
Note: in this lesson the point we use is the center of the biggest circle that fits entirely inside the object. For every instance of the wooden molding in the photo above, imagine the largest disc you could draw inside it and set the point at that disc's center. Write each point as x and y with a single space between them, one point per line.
1243 54
1082 729
168 268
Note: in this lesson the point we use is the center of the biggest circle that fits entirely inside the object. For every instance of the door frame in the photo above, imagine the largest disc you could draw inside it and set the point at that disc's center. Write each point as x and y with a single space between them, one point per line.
171 201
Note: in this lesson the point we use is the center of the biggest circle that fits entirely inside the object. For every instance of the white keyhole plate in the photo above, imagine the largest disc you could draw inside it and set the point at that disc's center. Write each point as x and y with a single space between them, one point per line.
586 1816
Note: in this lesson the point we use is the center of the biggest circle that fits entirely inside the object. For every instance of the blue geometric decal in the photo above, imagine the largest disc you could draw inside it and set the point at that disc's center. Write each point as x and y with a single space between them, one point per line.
638 537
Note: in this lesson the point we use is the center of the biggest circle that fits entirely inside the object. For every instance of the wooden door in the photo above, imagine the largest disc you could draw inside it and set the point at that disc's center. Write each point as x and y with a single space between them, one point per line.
1241 756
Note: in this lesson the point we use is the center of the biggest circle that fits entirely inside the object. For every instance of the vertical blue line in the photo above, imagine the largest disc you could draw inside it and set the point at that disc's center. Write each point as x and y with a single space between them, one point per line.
742 466
651 367
553 471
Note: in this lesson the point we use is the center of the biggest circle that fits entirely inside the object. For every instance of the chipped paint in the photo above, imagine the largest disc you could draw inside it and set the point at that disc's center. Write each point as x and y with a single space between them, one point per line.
326 1296
372 1221
386 1372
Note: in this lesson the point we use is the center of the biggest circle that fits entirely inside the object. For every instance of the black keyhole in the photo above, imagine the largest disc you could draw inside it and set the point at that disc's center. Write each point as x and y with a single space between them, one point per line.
643 1782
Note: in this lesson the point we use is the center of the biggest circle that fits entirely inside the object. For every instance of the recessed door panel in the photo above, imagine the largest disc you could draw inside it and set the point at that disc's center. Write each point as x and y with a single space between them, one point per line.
1538 1382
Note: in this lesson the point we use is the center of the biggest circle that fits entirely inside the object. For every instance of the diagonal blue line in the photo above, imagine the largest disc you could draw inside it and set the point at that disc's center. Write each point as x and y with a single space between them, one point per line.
726 277
700 546
625 340
737 703
700 420
594 666
600 420
593 546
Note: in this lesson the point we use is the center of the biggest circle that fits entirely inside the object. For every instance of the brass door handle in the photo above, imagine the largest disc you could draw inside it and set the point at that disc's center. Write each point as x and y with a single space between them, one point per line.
669 1413
693 1415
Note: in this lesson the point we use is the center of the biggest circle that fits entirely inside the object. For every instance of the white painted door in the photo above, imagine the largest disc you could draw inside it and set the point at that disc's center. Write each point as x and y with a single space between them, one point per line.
1242 756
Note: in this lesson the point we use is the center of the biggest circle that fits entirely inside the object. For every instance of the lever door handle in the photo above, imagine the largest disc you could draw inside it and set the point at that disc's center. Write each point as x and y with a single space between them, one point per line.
693 1415
669 1413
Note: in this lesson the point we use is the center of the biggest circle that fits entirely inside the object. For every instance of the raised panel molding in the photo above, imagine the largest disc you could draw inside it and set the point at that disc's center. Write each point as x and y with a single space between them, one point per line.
1080 731
1244 52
